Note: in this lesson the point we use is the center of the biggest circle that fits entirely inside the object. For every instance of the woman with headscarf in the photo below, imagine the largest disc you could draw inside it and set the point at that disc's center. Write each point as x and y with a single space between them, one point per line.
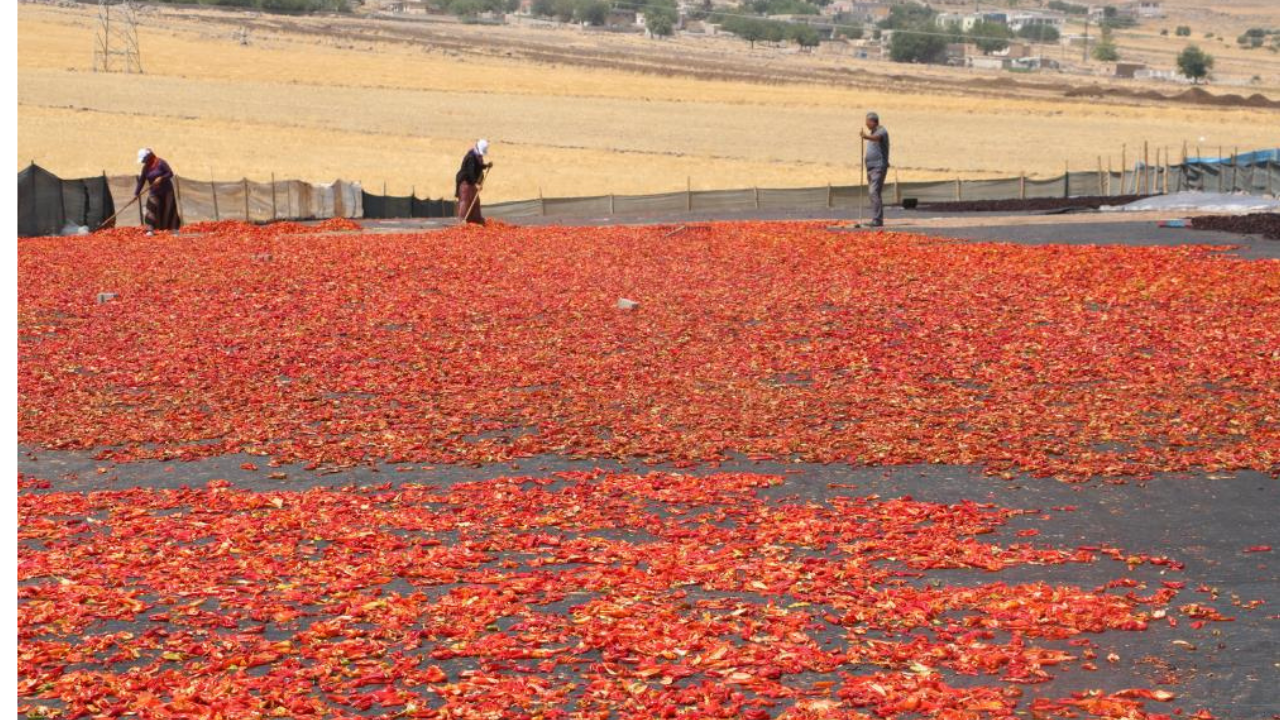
162 205
469 180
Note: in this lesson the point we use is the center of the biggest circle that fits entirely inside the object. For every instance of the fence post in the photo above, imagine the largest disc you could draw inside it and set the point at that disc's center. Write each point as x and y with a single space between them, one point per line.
1146 167
756 191
177 190
1022 185
542 203
1066 178
1155 175
688 194
611 210
897 187
828 195
1100 192
1235 168
274 215
1167 164
1124 163
213 188
246 199
1222 168
959 193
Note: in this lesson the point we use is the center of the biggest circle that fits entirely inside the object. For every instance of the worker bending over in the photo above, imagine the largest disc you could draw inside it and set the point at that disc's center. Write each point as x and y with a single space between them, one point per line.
469 181
162 205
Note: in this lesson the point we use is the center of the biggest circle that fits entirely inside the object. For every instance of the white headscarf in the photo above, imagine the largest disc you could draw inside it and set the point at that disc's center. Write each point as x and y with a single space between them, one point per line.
143 154
482 147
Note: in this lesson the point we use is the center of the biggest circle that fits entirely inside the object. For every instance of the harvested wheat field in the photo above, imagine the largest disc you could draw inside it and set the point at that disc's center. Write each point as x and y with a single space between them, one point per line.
398 102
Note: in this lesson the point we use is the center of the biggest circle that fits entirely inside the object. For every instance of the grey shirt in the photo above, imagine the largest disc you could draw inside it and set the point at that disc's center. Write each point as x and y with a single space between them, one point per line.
878 149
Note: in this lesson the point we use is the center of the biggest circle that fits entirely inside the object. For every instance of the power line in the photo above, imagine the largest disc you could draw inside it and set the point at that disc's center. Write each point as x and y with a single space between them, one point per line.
115 43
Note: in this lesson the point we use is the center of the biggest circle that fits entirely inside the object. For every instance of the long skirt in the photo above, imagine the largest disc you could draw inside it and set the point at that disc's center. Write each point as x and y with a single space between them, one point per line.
469 203
162 211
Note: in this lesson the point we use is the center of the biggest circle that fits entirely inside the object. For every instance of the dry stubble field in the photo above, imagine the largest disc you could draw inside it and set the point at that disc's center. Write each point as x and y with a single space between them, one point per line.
305 100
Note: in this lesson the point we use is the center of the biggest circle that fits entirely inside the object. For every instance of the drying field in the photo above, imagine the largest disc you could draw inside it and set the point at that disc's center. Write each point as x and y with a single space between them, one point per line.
522 556
772 339
569 113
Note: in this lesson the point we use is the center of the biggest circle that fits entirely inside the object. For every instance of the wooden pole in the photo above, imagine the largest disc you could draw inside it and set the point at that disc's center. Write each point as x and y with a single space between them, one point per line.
1124 162
828 195
542 203
611 206
1066 179
897 187
246 198
1235 168
1022 185
959 194
1222 169
213 186
1155 173
1146 163
756 191
688 194
274 215
1184 152
1101 183
1168 165
177 190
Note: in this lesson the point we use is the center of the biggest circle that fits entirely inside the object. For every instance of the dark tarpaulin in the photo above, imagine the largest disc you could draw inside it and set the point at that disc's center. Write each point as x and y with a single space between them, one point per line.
47 203
391 206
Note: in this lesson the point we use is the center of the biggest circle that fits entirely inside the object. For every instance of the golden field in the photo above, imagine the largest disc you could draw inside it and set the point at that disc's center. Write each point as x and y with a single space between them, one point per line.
301 101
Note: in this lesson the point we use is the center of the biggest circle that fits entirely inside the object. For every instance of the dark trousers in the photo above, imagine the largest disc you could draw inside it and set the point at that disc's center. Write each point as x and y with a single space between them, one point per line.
875 180
469 203
162 210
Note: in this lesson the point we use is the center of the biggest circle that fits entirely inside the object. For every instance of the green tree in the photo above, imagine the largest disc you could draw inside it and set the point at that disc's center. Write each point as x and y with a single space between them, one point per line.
1106 50
592 12
775 32
853 32
1039 33
989 36
1182 31
1068 8
749 29
661 21
917 47
564 10
805 36
908 16
543 8
1195 63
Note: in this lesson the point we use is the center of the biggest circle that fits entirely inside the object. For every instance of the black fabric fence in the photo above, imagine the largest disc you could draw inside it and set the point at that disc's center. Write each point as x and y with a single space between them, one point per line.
392 206
48 205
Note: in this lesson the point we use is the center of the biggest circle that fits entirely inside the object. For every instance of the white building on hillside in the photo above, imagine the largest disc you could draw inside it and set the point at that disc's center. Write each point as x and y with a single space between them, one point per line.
966 21
1031 18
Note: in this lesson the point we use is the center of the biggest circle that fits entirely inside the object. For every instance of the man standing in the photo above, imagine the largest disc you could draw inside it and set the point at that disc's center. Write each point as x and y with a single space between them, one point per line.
877 163
469 180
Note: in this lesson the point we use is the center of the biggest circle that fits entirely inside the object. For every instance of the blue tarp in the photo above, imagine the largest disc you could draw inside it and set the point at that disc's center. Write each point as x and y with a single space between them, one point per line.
1255 157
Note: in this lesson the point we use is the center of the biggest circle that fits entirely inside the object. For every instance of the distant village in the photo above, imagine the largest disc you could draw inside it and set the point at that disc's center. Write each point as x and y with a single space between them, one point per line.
1053 35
